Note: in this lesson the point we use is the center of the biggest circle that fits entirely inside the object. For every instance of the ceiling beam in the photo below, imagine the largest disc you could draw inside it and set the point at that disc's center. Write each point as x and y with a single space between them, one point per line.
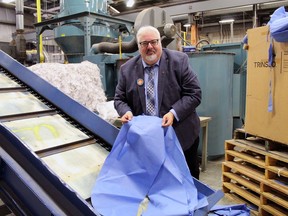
212 5
202 6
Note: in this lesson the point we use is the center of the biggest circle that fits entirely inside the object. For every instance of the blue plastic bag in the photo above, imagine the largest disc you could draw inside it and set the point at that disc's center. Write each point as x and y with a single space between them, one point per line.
230 210
278 25
146 161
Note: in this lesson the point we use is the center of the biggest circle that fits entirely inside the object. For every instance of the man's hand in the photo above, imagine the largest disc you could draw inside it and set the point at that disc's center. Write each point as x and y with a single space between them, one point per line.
126 117
168 119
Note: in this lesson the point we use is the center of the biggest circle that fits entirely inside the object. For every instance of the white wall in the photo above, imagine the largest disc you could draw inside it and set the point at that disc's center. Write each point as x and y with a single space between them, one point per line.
8 23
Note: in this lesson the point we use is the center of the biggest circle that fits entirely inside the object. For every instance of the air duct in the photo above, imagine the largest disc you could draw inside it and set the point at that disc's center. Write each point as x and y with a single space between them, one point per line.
154 16
127 47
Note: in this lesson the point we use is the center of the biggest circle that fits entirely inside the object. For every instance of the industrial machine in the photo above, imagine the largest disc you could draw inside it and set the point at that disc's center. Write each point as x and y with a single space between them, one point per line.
85 31
52 148
239 77
214 70
223 83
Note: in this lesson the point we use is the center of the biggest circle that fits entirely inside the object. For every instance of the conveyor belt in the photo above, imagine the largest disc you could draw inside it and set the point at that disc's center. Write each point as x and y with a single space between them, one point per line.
52 148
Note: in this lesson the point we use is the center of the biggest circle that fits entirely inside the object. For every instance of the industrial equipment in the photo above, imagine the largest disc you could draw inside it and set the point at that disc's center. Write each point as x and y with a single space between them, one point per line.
239 77
87 32
52 148
81 24
109 64
214 71
223 83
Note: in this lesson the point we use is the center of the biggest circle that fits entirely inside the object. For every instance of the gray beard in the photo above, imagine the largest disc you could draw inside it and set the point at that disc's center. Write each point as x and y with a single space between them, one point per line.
151 57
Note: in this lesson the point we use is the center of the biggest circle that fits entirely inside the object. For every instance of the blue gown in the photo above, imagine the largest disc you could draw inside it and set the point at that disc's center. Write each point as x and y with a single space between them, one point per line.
146 161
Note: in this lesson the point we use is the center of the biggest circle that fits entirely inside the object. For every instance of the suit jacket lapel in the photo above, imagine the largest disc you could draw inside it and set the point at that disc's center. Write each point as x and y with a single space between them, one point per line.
162 74
140 83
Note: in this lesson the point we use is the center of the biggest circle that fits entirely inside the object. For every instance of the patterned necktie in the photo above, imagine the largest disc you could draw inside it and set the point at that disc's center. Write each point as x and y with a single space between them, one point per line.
150 93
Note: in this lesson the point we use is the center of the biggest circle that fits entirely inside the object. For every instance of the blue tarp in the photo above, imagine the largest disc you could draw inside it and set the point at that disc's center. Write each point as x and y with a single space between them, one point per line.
146 161
232 210
278 25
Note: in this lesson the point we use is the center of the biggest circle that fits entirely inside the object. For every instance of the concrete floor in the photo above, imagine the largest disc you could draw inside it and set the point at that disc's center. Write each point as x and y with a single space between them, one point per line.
212 177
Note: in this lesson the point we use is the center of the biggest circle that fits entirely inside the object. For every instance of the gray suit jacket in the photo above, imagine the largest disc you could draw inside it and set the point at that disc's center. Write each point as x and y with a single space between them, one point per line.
178 88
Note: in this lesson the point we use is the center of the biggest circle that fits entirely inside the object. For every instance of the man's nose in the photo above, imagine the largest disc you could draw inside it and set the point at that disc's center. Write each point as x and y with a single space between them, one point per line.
149 44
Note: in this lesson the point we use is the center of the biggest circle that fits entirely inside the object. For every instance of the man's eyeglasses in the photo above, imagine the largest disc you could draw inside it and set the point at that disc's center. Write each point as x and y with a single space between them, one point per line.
145 44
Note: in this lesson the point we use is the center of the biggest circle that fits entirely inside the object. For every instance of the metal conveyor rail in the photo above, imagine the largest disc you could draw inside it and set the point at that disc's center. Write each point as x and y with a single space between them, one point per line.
52 148
49 160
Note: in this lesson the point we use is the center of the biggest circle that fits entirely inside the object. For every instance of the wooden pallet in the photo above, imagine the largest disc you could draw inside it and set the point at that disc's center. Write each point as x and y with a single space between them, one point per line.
4 210
257 174
274 199
240 180
269 145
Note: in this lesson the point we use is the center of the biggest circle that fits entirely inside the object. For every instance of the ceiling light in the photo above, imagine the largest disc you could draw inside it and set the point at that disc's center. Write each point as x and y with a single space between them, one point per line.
8 1
130 3
114 9
226 21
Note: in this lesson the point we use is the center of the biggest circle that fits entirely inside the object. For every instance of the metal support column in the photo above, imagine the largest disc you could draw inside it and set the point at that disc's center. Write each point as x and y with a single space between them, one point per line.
87 23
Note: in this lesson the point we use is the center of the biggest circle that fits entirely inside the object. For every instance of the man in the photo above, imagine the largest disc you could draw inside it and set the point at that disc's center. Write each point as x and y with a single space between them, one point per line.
176 91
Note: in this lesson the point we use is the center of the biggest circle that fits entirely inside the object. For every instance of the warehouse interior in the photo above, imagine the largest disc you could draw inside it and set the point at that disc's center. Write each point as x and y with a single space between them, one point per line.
59 67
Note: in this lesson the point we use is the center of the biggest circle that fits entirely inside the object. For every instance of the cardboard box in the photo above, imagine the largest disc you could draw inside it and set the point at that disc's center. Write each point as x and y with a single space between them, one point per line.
258 120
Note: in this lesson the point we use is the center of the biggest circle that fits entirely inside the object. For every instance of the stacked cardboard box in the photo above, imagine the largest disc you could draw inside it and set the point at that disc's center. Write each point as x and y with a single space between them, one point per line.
264 81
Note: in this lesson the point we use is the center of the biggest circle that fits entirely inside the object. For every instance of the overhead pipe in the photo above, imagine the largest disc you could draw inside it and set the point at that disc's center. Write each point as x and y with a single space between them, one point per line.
126 47
151 16
255 18
19 15
167 33
130 47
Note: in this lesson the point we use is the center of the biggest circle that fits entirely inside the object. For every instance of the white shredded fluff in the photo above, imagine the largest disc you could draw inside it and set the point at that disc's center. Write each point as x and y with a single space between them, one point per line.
80 81
107 111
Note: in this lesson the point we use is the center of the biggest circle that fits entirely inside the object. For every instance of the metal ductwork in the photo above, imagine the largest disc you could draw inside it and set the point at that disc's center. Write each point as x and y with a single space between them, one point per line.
127 47
154 16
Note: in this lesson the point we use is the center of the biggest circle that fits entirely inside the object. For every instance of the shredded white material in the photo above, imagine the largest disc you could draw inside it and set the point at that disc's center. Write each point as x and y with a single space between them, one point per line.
80 81
107 111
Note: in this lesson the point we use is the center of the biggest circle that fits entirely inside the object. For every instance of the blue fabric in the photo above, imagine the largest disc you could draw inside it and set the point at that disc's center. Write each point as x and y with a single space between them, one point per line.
270 63
231 210
278 25
270 55
270 101
146 159
245 39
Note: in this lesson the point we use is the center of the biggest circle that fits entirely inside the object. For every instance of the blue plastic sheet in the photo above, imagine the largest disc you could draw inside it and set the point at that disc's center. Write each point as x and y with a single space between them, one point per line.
278 25
231 210
146 161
